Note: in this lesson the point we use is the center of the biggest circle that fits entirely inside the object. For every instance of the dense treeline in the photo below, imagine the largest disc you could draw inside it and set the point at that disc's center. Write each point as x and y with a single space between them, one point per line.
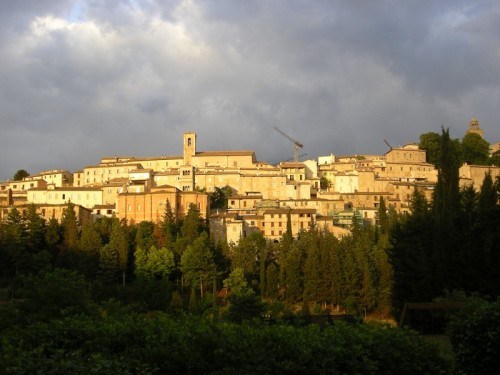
451 243
179 257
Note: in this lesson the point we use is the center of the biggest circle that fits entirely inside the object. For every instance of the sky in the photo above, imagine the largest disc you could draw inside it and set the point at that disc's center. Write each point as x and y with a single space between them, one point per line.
83 79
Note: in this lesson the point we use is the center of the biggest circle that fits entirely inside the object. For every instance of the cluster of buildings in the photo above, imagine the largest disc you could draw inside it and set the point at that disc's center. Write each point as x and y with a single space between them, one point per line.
329 192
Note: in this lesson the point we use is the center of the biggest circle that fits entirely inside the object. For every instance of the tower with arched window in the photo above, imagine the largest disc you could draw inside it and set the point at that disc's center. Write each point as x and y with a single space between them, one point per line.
189 147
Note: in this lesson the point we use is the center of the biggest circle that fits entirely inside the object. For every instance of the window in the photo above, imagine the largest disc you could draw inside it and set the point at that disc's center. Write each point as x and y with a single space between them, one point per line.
252 222
272 224
64 196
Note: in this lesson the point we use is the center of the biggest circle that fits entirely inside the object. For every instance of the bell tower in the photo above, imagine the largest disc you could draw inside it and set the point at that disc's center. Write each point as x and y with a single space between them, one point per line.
189 147
474 127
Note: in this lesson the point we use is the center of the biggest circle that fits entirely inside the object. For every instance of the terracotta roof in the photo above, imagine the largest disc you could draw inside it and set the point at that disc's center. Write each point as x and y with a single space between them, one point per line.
224 153
292 211
292 165
69 188
112 165
97 206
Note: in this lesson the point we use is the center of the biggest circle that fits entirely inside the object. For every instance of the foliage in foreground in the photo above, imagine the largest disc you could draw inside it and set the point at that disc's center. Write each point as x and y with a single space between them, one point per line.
134 343
475 336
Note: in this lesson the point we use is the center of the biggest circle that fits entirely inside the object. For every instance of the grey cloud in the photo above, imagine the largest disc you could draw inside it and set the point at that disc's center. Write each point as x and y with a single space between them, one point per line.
128 77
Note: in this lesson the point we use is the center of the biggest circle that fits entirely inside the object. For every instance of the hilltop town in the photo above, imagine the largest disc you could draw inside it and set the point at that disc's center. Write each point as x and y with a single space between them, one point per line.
330 192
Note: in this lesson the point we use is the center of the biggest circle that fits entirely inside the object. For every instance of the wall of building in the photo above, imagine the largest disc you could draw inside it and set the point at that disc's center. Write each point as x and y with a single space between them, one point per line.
86 197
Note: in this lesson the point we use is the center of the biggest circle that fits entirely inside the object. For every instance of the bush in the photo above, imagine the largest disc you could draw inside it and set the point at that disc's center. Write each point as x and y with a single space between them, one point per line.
157 343
475 336
54 294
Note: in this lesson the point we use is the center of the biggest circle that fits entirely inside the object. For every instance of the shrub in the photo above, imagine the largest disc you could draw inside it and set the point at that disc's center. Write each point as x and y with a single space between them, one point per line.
475 336
157 343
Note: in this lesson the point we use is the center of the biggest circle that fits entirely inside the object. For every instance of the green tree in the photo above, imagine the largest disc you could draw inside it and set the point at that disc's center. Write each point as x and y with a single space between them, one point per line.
154 263
324 183
20 174
218 198
446 212
144 237
54 294
475 149
247 253
294 277
244 304
197 263
13 242
35 230
430 142
69 223
192 224
495 159
53 236
90 247
272 280
114 255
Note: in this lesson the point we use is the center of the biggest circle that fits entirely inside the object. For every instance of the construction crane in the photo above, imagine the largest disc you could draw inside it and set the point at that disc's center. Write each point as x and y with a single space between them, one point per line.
387 143
296 144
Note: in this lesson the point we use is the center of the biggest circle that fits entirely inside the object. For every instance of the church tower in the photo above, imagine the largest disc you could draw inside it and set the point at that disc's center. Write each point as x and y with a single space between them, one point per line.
474 127
189 147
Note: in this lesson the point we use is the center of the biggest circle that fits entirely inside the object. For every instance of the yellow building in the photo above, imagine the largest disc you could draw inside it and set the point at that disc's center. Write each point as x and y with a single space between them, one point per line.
87 197
150 205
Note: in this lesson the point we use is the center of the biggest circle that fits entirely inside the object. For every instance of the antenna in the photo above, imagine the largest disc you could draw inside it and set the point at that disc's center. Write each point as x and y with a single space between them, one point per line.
296 144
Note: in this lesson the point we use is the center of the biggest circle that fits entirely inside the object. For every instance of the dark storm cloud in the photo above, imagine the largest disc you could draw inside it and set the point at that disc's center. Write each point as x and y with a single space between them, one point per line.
82 79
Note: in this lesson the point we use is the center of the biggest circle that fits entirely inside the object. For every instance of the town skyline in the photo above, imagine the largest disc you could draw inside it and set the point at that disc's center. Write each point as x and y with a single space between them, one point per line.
83 79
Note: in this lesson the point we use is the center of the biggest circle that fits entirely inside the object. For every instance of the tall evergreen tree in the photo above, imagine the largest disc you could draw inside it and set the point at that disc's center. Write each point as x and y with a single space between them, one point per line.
294 278
115 254
272 281
446 209
14 242
90 247
35 230
69 223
